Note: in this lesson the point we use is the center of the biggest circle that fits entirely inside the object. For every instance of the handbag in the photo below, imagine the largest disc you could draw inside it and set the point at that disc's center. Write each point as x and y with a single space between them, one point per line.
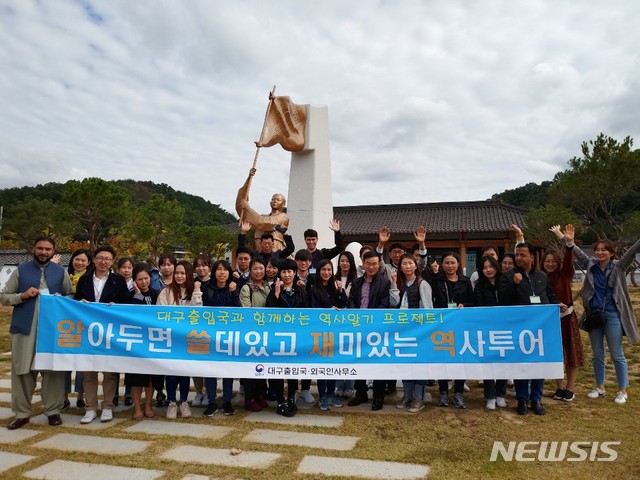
594 319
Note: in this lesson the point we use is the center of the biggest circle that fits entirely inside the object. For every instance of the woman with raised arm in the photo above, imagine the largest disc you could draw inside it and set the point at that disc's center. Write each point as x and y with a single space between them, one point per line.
605 289
560 273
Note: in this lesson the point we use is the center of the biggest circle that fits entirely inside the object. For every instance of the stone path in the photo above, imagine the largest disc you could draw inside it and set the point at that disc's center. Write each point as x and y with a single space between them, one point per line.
21 449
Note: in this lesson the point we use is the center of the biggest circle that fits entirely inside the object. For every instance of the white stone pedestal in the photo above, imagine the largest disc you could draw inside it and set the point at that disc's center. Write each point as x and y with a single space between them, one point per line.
310 201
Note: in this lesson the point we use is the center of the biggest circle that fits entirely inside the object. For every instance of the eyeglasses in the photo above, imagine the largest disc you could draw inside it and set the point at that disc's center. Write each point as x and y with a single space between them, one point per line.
104 259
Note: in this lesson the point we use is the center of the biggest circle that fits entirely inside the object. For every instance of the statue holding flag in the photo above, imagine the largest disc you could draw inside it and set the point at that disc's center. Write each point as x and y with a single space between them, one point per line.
284 124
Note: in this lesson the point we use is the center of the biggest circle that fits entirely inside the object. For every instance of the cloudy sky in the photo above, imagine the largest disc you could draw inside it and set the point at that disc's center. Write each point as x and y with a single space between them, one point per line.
428 100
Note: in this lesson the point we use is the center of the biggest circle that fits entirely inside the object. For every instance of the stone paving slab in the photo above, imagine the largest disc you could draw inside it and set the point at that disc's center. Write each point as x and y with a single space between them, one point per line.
5 413
314 440
351 467
155 427
306 420
14 436
6 397
69 420
85 443
10 460
65 470
217 456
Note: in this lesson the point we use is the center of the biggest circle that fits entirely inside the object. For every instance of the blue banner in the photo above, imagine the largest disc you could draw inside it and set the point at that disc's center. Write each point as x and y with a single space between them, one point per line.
466 343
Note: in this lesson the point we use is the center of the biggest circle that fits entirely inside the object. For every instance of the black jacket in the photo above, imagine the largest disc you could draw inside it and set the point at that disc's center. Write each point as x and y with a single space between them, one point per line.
512 293
115 289
378 292
457 292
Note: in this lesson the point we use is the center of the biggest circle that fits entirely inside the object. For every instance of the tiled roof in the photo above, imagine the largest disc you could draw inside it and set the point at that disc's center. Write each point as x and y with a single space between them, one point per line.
447 217
16 257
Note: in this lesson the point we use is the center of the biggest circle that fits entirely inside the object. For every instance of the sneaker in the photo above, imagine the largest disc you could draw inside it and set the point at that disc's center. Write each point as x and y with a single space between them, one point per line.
596 393
197 401
458 401
107 415
227 409
307 397
128 400
522 407
89 417
283 409
185 410
404 403
211 409
559 395
335 401
292 406
324 404
172 411
444 399
416 406
568 396
621 398
491 404
466 387
349 393
501 402
339 392
80 403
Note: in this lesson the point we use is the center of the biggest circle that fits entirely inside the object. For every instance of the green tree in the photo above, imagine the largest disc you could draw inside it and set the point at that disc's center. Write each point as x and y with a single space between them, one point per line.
213 241
98 208
603 186
541 219
157 226
25 221
528 196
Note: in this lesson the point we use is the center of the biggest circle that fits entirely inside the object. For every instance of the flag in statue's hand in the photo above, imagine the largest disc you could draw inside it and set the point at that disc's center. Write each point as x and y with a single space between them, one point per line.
285 124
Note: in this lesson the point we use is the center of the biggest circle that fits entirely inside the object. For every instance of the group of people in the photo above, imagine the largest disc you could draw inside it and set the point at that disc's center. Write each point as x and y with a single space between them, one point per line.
390 276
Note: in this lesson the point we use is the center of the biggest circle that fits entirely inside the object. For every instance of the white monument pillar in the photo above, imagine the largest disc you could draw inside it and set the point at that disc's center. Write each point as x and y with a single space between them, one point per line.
310 201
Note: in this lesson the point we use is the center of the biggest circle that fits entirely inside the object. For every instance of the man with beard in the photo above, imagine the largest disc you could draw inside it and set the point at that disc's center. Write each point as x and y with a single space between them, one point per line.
22 291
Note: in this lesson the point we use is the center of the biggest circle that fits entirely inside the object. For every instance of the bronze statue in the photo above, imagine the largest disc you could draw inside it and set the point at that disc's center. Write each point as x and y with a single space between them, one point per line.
276 222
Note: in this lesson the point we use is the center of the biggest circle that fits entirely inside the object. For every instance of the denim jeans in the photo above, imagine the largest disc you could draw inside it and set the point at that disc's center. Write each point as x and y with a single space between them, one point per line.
173 382
326 388
413 389
495 388
211 385
523 393
612 331
77 385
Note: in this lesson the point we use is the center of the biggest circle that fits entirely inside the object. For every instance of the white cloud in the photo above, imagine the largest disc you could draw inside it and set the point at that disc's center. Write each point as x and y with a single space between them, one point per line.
428 101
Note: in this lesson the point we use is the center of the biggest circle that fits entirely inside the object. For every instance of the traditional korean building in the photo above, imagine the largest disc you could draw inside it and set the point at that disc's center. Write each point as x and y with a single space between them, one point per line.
462 227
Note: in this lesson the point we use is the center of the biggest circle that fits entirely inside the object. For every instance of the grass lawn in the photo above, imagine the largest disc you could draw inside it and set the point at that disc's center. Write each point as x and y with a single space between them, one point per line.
456 444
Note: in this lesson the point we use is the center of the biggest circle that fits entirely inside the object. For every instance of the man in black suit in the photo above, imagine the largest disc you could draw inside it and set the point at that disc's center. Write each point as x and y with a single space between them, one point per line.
370 291
103 286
